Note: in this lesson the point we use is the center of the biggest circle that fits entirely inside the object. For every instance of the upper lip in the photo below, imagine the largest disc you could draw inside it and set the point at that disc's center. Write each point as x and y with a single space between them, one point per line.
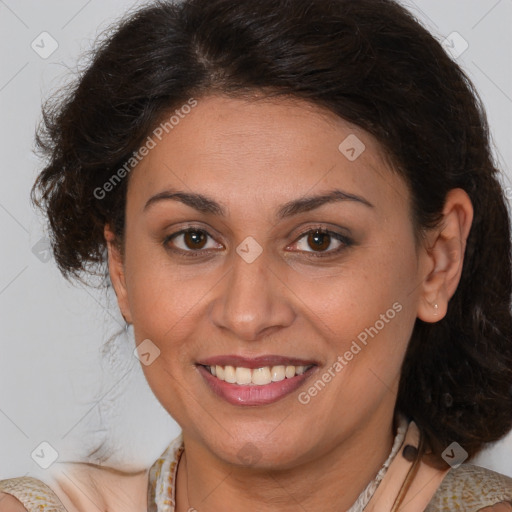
255 362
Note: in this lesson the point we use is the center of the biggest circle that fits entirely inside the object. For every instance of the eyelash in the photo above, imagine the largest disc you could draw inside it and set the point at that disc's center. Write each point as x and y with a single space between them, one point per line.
345 241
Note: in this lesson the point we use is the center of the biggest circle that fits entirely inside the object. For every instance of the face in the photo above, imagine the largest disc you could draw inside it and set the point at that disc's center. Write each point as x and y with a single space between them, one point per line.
288 244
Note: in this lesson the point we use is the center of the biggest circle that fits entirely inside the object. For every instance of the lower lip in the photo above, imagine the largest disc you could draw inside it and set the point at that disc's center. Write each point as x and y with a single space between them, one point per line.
253 395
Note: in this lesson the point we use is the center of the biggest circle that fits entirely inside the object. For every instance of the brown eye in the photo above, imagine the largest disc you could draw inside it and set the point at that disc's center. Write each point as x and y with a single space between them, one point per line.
191 241
195 239
318 240
322 242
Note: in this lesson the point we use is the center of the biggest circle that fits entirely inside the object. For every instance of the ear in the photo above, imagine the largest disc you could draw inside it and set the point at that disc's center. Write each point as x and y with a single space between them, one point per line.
444 256
117 274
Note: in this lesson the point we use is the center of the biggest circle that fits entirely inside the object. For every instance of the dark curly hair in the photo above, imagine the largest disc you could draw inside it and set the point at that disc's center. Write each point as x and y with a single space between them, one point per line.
369 62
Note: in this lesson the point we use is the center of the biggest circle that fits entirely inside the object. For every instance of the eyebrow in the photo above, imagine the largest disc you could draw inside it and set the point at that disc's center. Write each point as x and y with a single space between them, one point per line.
207 205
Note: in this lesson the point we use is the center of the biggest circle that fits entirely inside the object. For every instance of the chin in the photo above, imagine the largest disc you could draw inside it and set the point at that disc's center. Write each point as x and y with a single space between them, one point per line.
260 451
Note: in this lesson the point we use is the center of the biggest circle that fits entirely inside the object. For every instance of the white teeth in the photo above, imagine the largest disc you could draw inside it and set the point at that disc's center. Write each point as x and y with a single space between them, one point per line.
259 376
243 376
278 373
229 374
289 372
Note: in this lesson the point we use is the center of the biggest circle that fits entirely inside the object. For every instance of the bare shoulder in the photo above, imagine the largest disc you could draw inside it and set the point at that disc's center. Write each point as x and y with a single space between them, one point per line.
9 503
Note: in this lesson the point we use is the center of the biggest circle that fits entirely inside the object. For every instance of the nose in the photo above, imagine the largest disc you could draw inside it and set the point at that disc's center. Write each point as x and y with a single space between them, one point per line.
253 301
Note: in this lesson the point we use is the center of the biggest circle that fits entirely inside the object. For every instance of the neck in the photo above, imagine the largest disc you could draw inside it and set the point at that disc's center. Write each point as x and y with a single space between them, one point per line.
89 488
337 478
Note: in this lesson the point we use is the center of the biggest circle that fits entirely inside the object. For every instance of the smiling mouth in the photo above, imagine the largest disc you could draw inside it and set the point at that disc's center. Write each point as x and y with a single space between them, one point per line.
257 376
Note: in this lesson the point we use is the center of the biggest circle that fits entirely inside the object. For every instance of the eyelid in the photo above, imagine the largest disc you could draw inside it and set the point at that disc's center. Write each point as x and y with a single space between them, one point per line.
344 240
185 230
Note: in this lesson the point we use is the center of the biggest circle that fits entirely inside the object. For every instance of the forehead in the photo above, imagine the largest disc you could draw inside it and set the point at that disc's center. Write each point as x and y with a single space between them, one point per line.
262 151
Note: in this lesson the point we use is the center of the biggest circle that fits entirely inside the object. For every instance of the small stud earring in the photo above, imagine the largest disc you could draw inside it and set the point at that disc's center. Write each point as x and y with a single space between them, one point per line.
436 309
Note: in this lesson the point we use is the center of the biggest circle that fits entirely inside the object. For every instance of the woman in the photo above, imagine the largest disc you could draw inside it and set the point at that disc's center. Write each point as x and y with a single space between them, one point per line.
303 223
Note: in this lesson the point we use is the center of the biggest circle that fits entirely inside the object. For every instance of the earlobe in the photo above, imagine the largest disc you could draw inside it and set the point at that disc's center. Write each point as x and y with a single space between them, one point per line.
444 256
117 273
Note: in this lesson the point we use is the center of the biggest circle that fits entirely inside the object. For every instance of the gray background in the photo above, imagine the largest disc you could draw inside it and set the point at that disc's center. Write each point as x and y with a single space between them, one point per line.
60 382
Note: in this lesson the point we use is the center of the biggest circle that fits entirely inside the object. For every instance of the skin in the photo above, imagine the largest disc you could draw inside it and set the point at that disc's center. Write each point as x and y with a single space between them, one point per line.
499 507
252 157
87 487
9 503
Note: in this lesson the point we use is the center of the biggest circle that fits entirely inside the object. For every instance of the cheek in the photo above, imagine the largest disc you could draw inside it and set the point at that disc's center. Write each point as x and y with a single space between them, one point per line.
165 305
162 295
365 287
168 315
367 311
